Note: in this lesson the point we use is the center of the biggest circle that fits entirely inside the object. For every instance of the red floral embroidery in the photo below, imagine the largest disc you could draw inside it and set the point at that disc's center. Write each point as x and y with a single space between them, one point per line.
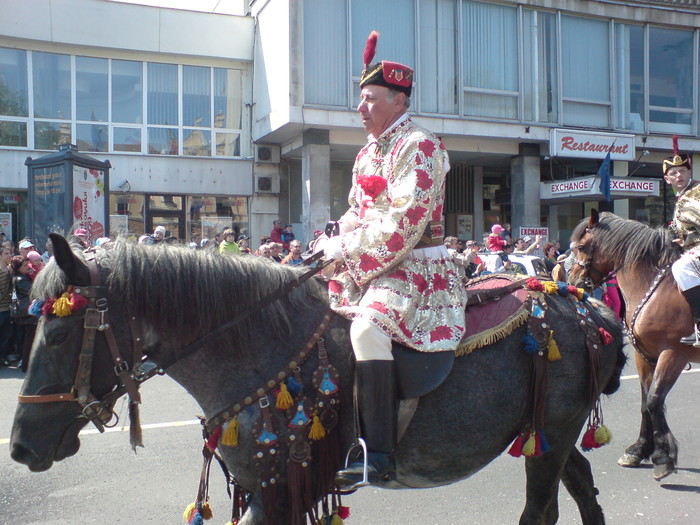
404 329
335 287
440 334
437 214
420 282
424 182
379 307
442 146
418 159
368 263
414 215
395 242
400 275
427 147
439 282
372 185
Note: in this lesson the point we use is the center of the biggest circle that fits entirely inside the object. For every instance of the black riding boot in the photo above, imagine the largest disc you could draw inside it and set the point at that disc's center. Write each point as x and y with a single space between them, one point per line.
692 295
376 396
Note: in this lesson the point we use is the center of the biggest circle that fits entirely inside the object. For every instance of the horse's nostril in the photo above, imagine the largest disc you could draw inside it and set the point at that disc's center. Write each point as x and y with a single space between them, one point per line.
22 454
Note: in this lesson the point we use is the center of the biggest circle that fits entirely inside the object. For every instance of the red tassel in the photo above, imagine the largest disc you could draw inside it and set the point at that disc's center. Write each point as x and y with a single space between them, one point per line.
343 512
516 449
605 336
588 442
213 440
370 48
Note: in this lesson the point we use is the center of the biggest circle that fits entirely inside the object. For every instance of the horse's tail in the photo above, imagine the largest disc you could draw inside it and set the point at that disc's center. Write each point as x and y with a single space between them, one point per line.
613 326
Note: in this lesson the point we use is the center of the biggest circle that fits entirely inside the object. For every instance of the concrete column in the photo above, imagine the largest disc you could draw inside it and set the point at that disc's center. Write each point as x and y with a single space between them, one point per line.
525 188
316 191
621 207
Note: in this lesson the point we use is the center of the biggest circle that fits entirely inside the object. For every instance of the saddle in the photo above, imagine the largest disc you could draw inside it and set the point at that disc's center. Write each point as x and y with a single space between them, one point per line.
496 306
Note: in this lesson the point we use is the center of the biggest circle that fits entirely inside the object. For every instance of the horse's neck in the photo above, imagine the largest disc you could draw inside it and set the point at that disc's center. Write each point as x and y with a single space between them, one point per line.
634 283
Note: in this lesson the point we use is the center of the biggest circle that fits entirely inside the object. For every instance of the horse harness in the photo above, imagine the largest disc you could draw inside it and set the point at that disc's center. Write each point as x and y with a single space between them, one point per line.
100 411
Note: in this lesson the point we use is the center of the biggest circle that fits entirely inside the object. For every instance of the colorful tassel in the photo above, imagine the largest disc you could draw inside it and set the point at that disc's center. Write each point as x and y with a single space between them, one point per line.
516 449
207 514
530 446
605 336
61 307
77 301
293 386
534 284
317 431
553 349
229 437
284 398
588 441
602 435
343 512
189 512
213 440
551 287
336 520
544 444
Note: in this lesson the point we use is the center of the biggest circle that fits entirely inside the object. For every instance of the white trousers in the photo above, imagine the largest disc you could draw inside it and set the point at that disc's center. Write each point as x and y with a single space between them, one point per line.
686 271
368 342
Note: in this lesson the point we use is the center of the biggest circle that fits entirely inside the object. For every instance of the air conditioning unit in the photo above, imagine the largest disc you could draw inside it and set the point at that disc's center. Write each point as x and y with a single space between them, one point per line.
267 154
267 183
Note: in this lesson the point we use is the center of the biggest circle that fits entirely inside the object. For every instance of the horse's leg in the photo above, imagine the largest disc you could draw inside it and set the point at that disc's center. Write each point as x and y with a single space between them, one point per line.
255 514
543 474
669 367
578 480
644 446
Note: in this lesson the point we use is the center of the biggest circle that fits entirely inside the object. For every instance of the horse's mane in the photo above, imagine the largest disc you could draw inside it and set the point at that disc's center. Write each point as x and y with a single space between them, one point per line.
625 242
187 293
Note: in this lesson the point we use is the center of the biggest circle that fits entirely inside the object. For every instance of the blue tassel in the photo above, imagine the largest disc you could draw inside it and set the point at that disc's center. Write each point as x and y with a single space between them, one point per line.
35 308
293 386
530 343
198 518
562 288
544 444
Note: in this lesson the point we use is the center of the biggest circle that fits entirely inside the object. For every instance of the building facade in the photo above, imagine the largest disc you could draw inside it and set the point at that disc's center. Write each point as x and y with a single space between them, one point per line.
236 119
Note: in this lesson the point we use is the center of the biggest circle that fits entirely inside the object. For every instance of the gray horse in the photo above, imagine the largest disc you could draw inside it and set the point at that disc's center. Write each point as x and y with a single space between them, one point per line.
174 297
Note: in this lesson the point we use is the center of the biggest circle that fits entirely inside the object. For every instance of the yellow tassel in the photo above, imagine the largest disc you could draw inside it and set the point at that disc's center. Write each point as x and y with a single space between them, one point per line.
317 431
336 520
229 437
206 511
529 446
603 435
284 398
553 354
579 293
61 307
187 515
551 287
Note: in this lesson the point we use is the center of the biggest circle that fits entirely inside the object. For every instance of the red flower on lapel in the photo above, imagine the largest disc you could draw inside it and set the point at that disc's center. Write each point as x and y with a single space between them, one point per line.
368 263
372 185
395 242
427 147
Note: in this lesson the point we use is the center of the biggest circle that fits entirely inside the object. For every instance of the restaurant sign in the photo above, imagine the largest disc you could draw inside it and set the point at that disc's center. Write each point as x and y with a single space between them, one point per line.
588 188
589 145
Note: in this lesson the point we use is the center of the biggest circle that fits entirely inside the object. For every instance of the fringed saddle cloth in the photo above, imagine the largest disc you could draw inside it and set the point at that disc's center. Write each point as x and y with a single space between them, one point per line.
497 304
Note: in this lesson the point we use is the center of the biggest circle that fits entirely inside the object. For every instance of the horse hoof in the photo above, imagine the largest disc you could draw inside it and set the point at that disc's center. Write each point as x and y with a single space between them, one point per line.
663 470
629 461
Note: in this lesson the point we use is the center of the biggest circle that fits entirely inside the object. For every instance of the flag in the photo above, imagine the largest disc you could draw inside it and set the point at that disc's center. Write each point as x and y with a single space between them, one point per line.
604 174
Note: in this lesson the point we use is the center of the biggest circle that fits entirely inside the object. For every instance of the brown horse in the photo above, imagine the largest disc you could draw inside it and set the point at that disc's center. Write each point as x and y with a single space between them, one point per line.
657 317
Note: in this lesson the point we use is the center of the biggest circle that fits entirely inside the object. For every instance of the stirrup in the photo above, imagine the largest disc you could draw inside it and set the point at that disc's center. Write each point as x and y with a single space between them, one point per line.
365 480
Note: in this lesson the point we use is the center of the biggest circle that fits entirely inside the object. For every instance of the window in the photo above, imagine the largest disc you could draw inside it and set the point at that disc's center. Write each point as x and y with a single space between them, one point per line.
52 86
127 91
162 94
91 89
540 90
13 83
629 61
585 64
322 48
490 60
670 80
437 89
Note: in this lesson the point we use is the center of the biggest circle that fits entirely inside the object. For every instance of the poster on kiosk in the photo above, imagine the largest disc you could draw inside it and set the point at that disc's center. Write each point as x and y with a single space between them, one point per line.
67 190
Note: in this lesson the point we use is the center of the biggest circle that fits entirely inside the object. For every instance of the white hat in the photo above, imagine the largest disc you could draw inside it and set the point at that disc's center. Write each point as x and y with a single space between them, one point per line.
160 229
527 238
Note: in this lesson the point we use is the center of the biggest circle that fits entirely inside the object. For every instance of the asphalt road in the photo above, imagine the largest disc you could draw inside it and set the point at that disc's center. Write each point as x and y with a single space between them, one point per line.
108 484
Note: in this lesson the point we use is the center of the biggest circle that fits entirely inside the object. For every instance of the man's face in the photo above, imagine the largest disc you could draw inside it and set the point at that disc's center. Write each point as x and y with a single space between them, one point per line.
678 177
520 244
295 248
379 109
274 250
24 251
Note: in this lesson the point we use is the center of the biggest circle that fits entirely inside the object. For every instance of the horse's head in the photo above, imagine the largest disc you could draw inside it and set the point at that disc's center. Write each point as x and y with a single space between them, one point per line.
71 370
591 267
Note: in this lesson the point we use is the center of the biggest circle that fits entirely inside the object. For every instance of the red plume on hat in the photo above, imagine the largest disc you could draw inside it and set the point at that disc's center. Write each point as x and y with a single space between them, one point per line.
676 152
370 48
677 160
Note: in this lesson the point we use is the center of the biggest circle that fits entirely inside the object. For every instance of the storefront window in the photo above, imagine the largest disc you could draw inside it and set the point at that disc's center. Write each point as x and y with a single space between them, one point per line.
210 215
126 214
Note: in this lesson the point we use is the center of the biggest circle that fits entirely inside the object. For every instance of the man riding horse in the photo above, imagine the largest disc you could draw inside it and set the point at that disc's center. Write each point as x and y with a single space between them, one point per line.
394 277
686 227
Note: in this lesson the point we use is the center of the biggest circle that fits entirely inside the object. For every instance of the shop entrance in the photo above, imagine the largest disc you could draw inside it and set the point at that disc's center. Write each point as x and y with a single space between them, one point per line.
168 211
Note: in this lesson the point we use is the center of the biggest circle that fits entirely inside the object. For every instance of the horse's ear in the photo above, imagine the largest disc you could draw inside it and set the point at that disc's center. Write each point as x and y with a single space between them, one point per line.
76 270
593 220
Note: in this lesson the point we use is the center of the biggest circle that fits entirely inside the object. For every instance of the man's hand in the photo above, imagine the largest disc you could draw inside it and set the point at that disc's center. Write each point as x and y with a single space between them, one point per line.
333 248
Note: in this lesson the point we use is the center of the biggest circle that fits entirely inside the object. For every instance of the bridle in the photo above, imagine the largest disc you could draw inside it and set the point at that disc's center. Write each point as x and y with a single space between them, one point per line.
588 268
100 411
